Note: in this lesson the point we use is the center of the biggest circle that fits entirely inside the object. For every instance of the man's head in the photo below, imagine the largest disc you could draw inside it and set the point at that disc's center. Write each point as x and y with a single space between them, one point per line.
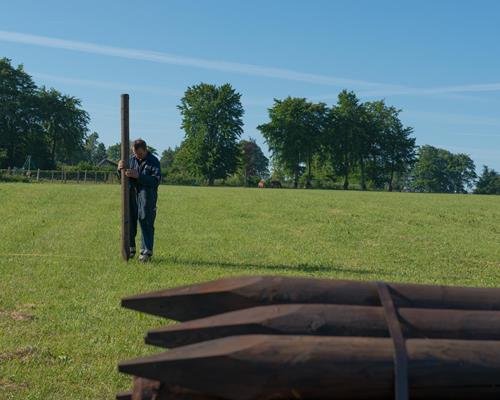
140 149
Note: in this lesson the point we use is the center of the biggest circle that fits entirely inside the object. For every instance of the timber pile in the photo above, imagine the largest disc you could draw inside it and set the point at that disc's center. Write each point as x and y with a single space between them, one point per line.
252 338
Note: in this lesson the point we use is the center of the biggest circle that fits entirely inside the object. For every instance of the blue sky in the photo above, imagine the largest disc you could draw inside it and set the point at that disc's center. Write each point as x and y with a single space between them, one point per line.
439 61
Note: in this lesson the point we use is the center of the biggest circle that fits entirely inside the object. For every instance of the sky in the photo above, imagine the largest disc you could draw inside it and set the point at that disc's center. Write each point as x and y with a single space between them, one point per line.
438 61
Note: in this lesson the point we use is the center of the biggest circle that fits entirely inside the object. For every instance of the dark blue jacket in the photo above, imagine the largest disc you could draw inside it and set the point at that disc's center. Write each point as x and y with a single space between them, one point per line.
149 172
144 189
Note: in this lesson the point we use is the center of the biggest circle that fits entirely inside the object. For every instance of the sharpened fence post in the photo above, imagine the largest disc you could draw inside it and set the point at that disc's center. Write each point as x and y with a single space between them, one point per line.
125 200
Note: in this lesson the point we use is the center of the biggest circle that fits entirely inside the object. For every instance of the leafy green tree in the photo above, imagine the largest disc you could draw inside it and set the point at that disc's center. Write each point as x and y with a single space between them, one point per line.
253 163
293 134
438 170
393 150
167 158
461 173
212 122
95 151
114 152
343 139
174 167
64 123
3 155
101 152
18 114
488 182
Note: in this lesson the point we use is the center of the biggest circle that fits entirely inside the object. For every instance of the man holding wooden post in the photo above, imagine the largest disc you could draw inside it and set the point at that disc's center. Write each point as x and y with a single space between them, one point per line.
141 176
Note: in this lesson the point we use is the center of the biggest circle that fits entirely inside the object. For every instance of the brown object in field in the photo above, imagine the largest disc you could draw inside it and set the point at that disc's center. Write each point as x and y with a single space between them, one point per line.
147 389
255 367
124 396
230 294
330 320
125 197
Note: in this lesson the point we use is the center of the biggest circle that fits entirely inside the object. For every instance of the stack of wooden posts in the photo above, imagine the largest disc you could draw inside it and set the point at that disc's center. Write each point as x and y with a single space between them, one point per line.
269 337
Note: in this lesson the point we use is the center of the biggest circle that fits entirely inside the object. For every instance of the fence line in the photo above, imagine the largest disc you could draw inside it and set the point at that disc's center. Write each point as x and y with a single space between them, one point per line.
63 176
110 177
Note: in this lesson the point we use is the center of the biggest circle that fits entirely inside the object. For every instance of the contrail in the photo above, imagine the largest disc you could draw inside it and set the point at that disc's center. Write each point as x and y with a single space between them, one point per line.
165 58
371 88
107 85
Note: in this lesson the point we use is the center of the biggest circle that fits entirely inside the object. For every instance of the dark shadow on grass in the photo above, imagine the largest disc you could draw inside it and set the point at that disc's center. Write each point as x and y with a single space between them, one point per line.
302 267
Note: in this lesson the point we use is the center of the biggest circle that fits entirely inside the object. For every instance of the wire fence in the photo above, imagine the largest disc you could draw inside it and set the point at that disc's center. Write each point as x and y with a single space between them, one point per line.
110 177
61 176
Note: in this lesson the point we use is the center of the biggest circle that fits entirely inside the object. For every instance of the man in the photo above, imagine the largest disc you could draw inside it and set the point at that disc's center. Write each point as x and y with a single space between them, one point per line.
145 176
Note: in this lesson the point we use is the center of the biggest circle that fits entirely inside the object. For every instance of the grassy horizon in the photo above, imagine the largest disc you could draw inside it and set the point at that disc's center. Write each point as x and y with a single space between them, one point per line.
62 331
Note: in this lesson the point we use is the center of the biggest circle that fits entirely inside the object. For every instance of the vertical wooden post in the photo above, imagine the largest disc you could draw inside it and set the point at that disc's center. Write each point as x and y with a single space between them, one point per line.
38 175
52 176
125 228
85 177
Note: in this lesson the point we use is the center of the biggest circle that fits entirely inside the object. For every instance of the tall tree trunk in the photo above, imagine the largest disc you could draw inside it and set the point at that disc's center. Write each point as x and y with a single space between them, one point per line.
309 174
54 144
391 180
11 152
363 179
53 154
211 181
346 174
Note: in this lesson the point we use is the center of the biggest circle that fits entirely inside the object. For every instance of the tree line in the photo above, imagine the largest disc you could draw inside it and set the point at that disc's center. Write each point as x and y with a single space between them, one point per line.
44 123
311 144
350 143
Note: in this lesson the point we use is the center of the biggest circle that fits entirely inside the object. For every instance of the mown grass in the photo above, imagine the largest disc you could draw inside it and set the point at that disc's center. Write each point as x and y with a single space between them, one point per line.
62 330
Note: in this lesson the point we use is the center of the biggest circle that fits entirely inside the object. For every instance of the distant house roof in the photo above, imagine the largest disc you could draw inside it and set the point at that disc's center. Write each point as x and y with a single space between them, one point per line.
107 161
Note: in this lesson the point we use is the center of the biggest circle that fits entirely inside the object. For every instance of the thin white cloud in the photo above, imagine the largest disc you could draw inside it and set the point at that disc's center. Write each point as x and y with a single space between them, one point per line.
474 88
477 152
452 118
173 59
490 135
107 85
370 88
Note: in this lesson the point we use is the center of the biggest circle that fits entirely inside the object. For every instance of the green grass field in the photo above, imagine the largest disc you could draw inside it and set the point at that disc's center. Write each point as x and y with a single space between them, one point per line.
62 331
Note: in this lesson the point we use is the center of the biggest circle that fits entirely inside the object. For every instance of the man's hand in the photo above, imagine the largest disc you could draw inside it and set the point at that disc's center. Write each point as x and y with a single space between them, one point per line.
132 173
121 165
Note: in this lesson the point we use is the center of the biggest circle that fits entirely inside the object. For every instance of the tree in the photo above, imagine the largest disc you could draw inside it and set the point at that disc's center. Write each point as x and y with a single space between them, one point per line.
95 151
461 173
3 155
114 152
212 121
253 163
167 158
489 182
18 113
392 151
438 170
64 124
293 134
343 142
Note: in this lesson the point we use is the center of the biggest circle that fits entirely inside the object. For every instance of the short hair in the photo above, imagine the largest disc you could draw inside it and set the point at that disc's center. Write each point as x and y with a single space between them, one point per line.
139 144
